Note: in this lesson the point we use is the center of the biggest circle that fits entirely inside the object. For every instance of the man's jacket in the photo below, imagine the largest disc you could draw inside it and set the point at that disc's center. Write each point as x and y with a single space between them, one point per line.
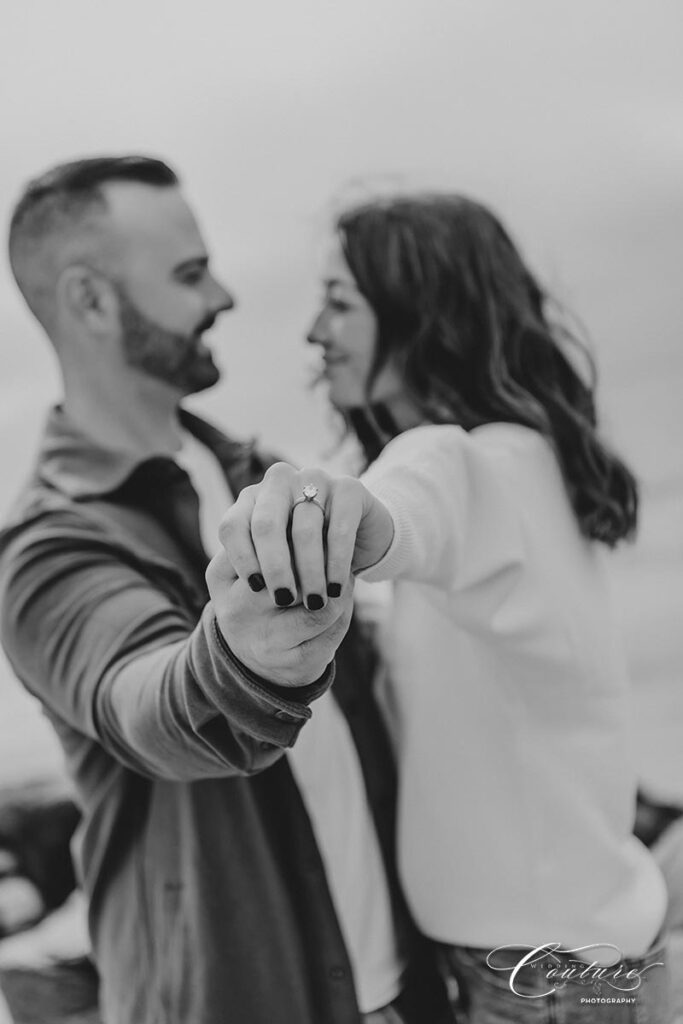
207 893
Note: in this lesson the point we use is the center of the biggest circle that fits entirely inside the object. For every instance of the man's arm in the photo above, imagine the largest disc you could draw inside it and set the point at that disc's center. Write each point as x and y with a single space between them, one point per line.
110 654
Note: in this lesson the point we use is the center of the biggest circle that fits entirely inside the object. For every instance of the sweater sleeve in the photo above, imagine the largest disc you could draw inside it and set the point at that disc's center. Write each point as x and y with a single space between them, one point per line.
455 520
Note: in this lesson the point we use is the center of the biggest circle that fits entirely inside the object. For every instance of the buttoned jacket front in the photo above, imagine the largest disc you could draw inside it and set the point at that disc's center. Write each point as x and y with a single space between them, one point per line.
207 894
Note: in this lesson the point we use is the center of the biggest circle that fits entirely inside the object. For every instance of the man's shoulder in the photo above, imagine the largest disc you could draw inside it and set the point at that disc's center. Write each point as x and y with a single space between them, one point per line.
32 502
41 512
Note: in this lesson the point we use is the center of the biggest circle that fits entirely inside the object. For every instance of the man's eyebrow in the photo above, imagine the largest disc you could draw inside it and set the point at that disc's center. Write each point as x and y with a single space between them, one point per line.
193 263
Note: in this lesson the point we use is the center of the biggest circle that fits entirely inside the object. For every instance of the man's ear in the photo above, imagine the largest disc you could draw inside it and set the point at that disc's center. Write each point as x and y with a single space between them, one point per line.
89 297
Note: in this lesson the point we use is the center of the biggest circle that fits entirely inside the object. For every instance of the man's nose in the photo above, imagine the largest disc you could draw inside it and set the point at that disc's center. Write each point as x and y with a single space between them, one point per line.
221 299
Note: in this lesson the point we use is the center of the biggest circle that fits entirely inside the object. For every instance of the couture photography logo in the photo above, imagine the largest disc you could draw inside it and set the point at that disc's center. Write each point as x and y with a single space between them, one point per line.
535 973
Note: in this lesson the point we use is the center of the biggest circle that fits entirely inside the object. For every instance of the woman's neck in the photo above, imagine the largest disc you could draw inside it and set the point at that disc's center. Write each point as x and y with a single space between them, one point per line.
377 423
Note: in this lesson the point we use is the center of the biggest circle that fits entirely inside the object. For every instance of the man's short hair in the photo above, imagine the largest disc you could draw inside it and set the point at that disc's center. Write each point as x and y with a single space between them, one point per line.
60 204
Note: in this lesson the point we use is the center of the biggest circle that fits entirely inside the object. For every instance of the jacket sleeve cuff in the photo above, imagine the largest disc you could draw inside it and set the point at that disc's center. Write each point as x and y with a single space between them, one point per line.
261 708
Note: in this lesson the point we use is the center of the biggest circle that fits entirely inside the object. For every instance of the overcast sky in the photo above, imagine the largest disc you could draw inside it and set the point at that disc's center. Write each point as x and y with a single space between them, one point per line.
566 116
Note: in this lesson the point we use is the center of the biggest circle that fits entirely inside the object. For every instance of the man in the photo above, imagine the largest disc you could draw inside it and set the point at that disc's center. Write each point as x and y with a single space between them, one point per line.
225 881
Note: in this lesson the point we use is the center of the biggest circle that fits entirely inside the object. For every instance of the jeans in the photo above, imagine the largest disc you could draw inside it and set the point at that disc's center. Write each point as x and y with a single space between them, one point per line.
482 995
422 1000
393 1015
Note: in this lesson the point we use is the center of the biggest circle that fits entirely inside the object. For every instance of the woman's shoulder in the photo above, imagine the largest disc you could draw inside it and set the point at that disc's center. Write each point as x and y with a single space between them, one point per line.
487 465
512 443
490 439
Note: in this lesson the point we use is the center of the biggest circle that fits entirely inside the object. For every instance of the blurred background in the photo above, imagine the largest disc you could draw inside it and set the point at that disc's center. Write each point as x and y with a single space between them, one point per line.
566 118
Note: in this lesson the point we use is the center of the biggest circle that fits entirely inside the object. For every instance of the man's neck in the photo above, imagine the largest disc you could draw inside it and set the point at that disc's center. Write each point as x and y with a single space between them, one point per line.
142 419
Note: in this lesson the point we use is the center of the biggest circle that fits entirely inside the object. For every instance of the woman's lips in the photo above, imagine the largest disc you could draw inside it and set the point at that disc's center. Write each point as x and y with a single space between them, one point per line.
330 362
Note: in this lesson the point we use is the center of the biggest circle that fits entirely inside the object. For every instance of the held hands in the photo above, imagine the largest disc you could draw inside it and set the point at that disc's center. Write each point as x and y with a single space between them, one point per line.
304 532
278 543
289 649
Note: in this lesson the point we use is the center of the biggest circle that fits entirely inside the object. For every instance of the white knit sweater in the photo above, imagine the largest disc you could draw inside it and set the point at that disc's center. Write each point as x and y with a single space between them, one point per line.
516 778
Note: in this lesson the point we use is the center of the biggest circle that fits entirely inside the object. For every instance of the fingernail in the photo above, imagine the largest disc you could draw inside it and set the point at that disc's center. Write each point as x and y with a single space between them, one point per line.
314 602
283 597
334 589
256 582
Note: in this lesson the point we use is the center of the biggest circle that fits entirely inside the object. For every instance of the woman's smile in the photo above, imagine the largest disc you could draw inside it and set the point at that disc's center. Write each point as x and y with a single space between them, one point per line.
333 359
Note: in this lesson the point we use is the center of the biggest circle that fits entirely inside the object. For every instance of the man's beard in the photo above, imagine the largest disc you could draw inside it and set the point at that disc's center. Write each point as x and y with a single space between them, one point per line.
164 355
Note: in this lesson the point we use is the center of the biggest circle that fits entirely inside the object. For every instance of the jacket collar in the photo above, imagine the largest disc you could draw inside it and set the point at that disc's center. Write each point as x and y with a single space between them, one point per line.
71 463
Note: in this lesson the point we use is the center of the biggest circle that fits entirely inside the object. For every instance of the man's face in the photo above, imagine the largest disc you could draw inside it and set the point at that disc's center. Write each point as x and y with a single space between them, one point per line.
167 295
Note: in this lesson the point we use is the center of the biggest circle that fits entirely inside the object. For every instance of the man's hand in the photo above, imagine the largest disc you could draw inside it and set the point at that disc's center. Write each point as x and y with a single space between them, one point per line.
276 541
289 647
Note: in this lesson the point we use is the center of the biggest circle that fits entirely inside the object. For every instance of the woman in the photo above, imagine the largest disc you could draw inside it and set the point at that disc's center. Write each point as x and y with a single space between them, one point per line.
490 500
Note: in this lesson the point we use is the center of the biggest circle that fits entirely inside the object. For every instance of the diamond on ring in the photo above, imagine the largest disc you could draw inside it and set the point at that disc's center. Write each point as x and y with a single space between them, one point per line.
309 497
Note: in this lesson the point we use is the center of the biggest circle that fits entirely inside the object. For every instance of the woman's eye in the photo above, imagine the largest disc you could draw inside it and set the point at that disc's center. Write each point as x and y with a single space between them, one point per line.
338 306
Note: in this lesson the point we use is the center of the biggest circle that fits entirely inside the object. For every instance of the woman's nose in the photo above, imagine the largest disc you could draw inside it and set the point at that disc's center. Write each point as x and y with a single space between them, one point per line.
317 334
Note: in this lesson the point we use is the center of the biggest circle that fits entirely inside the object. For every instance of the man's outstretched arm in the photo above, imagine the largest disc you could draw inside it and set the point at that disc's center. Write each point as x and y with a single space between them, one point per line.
112 655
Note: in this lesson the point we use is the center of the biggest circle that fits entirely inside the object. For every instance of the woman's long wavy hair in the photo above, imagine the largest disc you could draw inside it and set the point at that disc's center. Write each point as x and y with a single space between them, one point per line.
469 327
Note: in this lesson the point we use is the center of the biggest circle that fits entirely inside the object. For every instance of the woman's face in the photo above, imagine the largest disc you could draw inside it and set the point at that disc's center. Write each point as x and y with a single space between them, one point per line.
346 330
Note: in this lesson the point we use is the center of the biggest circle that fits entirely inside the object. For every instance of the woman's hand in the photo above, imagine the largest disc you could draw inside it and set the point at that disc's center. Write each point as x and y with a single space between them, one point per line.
276 538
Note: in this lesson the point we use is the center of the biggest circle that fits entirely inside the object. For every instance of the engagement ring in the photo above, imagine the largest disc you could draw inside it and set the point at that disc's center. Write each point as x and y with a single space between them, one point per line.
309 494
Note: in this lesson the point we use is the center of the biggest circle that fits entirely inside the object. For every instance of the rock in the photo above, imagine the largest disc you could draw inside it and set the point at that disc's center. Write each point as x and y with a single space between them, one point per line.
59 937
37 821
21 905
46 973
9 865
62 994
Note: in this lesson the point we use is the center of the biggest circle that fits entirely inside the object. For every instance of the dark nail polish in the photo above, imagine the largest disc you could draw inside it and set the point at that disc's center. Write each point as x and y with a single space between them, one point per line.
314 602
256 582
334 589
283 597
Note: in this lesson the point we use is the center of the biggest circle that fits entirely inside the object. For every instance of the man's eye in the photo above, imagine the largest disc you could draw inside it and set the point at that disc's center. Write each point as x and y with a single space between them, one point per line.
191 277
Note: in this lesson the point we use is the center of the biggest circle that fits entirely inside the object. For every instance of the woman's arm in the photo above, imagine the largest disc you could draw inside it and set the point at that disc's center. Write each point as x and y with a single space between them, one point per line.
432 509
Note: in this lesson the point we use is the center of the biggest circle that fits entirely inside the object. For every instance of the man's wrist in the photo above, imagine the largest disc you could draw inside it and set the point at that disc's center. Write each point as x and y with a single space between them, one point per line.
302 694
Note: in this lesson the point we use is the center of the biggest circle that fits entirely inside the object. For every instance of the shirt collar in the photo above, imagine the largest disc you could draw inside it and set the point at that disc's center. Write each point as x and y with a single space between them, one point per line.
72 463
